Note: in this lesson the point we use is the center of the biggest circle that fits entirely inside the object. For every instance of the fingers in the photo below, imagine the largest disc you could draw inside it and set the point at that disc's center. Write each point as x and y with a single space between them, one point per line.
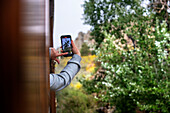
57 60
73 44
75 49
61 54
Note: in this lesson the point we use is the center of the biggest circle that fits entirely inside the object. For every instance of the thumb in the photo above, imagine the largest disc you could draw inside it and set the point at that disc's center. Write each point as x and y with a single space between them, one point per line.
57 60
72 43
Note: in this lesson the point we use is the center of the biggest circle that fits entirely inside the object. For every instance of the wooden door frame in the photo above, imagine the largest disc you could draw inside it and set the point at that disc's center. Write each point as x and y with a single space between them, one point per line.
52 64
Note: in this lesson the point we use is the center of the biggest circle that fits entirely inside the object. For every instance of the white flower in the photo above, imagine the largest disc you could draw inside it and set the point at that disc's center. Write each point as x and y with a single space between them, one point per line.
118 71
159 60
113 70
111 95
108 85
167 35
157 44
164 41
140 71
149 36
163 30
159 50
132 83
103 83
95 97
166 52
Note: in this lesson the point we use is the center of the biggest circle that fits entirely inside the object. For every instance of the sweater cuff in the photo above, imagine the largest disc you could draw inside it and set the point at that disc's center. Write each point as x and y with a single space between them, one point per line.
50 53
76 57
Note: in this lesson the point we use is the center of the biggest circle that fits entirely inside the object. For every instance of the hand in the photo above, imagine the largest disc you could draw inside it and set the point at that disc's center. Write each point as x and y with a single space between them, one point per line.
75 49
55 53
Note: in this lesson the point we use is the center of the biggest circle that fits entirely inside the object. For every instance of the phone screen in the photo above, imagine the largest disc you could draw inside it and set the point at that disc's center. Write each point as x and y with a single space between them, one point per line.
66 44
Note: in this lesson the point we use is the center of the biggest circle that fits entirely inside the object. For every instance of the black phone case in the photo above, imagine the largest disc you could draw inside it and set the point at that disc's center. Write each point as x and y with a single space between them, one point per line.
69 36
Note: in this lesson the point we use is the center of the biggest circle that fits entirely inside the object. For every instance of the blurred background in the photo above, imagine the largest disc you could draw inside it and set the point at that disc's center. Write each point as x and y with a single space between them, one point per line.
125 55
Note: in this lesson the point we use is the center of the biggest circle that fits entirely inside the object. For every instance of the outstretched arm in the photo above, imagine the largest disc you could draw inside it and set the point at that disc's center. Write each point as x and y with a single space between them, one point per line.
64 78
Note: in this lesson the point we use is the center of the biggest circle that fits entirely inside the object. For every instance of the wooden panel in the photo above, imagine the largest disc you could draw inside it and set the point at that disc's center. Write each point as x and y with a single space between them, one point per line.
10 55
24 58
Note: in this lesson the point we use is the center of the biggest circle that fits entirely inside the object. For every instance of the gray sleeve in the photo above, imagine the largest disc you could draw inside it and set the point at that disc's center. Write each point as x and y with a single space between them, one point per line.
64 78
50 53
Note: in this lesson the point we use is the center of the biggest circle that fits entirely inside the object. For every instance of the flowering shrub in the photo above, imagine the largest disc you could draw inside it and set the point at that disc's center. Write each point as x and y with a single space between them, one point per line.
136 77
90 68
77 86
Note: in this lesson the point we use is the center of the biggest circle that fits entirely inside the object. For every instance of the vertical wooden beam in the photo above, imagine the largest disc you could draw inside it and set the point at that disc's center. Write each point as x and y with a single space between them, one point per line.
52 68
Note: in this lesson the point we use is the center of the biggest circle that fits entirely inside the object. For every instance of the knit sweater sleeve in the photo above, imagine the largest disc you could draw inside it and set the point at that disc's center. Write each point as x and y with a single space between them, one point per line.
64 78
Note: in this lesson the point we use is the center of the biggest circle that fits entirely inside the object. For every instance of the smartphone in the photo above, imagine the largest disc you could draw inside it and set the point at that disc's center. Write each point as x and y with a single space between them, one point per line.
66 45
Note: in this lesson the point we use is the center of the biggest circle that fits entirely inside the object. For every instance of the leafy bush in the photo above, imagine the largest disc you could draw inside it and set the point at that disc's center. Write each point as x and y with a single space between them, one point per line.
71 100
101 14
135 76
85 50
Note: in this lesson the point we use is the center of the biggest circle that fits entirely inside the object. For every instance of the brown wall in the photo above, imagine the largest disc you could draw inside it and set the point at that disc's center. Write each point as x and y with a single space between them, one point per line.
24 43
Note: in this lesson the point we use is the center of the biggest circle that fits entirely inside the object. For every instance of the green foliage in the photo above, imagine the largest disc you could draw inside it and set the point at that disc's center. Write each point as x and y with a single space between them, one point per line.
102 15
75 101
160 10
85 50
135 77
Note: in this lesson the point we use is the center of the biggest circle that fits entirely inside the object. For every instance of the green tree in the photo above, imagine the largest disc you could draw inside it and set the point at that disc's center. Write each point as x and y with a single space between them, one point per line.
160 7
85 50
135 76
102 15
